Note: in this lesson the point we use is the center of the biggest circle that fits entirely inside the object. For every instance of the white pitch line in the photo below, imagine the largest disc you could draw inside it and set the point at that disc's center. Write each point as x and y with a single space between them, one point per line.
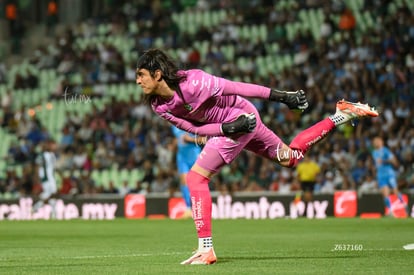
123 256
100 256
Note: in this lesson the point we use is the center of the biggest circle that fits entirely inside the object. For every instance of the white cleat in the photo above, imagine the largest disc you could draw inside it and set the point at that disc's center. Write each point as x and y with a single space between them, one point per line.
355 110
202 258
346 111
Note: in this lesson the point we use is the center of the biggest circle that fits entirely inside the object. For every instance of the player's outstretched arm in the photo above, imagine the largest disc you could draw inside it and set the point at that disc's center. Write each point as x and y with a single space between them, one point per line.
293 99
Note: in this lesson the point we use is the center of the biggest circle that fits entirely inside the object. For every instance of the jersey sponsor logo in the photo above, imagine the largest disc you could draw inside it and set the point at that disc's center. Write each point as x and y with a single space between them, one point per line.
134 206
188 107
345 204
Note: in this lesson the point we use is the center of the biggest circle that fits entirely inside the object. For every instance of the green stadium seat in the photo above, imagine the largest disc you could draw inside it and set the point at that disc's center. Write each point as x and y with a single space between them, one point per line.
206 19
188 3
245 32
263 32
261 66
133 27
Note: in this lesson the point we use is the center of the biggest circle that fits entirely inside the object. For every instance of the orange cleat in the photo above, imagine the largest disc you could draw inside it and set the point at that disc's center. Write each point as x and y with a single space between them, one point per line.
355 110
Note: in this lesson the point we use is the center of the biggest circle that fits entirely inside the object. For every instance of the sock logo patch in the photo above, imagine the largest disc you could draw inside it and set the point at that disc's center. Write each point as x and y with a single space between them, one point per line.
199 224
323 134
197 208
197 212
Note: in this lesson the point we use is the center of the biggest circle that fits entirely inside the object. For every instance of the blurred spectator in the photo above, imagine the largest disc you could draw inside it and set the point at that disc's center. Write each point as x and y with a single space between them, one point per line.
101 158
80 157
160 183
308 171
11 15
111 189
232 176
3 74
328 185
68 185
194 58
148 173
67 137
65 159
368 184
259 182
283 183
327 27
7 100
27 180
16 27
139 188
124 189
86 185
12 181
359 172
347 20
52 17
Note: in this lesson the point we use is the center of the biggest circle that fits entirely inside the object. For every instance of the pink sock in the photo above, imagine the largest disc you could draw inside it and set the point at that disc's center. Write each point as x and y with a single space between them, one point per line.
200 203
305 139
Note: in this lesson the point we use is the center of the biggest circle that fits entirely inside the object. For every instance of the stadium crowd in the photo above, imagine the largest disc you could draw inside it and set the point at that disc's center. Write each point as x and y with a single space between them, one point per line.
374 66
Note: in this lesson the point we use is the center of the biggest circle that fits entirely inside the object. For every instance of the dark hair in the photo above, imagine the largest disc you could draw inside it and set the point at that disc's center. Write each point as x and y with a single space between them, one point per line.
156 59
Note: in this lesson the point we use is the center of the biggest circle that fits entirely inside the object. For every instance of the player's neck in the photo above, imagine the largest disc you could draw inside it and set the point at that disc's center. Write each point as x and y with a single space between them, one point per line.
165 91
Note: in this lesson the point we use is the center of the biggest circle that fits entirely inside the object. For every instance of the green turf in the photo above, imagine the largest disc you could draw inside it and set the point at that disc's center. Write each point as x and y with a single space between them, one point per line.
278 246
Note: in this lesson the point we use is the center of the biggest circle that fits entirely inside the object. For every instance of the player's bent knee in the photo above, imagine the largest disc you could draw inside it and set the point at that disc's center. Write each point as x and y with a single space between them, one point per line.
285 163
289 162
292 162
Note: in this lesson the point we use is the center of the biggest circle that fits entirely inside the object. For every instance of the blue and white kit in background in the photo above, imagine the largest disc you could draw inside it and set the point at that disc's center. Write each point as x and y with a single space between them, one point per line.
187 152
47 164
386 174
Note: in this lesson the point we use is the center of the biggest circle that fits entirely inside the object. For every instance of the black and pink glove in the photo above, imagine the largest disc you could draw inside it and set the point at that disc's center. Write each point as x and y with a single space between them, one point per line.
245 123
294 100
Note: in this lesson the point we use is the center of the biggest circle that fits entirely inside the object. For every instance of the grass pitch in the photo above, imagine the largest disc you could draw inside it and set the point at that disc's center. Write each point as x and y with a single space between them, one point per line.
281 246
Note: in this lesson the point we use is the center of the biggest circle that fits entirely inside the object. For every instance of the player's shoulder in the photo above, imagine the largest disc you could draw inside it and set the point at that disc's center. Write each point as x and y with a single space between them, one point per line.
194 74
191 72
159 106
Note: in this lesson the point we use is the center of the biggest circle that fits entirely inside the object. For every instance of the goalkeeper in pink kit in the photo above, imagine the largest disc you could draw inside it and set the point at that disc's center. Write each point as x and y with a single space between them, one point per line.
210 106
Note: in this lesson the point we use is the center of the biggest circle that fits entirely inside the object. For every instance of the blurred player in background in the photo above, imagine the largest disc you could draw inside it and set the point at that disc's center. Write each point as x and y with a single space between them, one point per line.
46 163
307 173
207 105
188 149
385 163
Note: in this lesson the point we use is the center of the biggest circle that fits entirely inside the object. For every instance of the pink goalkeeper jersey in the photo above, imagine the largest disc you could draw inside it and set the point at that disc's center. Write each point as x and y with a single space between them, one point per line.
209 101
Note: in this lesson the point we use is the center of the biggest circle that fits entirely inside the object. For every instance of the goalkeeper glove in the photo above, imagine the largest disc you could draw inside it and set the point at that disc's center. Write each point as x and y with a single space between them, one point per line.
294 100
245 123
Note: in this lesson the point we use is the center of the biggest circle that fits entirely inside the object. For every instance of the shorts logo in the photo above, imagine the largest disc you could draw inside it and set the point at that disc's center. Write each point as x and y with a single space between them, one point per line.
345 204
134 206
